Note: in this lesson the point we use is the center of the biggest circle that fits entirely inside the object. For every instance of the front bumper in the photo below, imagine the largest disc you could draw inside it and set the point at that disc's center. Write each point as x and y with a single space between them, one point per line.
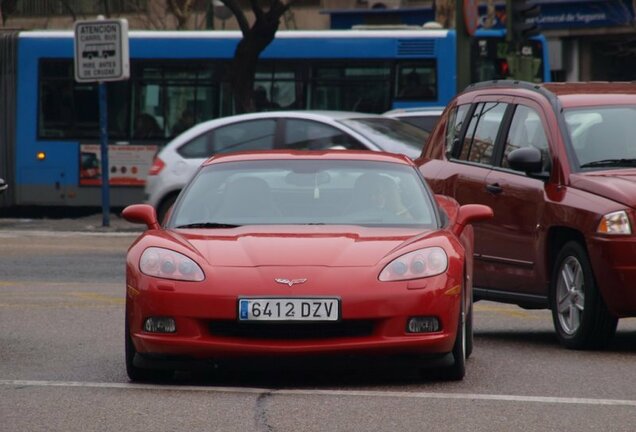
614 263
374 318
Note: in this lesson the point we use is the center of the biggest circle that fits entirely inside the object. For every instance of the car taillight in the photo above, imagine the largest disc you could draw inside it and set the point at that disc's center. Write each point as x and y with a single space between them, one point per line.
157 166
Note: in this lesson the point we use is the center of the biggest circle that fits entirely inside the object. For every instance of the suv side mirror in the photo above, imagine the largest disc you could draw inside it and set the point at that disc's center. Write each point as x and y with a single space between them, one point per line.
3 185
526 159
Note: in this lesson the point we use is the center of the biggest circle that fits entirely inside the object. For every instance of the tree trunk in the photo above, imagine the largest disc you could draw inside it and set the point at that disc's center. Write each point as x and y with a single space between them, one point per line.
255 39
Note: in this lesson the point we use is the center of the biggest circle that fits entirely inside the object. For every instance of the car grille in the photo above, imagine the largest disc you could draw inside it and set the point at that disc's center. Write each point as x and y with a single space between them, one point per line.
272 331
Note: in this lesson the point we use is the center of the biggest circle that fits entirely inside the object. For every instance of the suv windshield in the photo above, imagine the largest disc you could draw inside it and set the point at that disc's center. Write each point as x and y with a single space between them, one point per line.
603 136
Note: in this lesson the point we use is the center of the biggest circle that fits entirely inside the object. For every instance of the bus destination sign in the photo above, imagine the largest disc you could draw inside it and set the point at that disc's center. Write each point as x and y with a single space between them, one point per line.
101 50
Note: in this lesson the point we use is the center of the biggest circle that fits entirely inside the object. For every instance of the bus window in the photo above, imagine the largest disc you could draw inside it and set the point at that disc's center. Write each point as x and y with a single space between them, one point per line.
68 109
363 88
416 81
282 86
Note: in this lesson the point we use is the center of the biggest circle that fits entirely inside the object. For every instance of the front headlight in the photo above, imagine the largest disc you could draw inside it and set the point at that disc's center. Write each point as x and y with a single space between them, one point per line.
167 264
615 223
415 265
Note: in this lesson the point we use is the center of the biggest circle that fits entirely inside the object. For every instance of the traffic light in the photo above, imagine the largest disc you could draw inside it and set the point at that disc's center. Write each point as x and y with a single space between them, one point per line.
521 25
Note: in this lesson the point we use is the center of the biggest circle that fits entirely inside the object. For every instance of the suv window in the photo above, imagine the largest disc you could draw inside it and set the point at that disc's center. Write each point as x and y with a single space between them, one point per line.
455 124
481 136
526 130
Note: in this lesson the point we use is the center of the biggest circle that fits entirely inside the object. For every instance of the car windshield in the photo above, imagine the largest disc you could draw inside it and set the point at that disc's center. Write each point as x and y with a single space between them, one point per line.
391 135
307 192
603 136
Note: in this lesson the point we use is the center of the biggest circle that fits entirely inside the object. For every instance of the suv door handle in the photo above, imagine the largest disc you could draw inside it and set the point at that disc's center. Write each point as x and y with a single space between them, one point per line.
494 188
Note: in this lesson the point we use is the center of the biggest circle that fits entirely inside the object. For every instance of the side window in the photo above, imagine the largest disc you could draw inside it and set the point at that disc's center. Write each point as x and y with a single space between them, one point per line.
454 127
247 135
311 135
196 148
488 120
526 130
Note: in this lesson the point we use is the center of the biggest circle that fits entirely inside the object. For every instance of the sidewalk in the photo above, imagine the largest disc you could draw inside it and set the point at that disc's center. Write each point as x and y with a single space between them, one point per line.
92 223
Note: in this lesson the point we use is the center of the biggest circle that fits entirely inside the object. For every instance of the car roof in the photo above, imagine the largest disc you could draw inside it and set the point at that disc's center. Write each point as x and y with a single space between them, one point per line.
413 112
359 155
569 94
325 116
581 94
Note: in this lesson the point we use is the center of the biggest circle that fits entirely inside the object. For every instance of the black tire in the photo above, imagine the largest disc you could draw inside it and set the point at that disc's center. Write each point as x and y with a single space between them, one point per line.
457 370
470 337
581 318
138 374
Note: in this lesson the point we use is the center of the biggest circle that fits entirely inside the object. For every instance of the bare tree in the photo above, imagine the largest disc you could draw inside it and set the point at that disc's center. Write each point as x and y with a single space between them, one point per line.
182 10
445 13
256 38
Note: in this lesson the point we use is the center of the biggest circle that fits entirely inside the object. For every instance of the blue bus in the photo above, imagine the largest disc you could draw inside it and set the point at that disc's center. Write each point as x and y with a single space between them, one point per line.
49 149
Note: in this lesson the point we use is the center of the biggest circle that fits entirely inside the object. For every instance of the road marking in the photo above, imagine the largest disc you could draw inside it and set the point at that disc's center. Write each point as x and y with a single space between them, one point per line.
350 393
503 310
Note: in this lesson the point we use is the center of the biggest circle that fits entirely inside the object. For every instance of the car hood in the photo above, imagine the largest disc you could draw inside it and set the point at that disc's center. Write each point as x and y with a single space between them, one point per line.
333 246
617 185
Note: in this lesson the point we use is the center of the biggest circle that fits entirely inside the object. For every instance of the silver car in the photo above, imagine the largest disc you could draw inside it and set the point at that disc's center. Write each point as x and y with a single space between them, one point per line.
175 164
424 118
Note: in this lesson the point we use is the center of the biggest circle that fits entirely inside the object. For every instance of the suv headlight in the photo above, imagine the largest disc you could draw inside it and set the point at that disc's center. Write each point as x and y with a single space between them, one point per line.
415 265
615 223
167 264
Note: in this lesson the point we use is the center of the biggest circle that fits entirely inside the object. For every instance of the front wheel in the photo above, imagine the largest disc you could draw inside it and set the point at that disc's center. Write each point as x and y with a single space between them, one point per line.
581 318
457 370
138 374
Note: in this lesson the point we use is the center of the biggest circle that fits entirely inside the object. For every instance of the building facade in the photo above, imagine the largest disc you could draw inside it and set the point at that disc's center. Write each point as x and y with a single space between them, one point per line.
589 40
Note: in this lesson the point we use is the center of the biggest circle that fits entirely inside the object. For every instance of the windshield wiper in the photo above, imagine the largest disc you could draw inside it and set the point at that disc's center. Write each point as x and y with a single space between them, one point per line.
208 225
610 163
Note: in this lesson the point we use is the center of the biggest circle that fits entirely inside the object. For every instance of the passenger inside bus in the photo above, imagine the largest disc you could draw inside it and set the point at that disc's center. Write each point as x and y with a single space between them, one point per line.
413 88
262 102
146 126
185 122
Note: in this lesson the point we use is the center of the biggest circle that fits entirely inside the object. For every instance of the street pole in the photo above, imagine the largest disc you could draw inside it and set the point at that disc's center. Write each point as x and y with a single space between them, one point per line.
463 47
103 137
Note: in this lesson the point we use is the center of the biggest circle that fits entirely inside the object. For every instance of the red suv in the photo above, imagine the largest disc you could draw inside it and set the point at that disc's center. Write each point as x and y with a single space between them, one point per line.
557 164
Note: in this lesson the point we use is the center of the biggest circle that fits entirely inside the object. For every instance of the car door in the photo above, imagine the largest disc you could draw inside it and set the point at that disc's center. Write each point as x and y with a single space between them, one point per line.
509 249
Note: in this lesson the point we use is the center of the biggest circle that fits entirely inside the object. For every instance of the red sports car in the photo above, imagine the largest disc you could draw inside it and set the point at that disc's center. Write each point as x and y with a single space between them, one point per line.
290 253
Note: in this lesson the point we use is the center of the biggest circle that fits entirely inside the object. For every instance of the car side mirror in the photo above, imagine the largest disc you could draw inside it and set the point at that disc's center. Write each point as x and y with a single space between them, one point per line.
141 213
471 213
3 185
526 159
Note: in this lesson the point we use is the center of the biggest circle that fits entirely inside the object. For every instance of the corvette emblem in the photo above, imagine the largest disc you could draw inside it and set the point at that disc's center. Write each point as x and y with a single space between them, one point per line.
291 282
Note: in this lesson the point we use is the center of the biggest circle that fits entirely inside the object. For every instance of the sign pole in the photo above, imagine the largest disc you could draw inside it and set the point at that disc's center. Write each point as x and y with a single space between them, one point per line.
101 55
103 138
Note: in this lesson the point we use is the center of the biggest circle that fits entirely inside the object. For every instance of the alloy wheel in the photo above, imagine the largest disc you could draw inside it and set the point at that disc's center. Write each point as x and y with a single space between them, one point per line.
570 295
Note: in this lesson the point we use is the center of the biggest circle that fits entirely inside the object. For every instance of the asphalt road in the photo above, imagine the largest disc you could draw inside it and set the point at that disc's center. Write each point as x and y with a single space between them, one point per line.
62 369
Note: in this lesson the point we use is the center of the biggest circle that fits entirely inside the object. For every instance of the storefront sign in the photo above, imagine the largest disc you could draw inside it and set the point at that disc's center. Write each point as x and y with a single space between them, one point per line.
573 14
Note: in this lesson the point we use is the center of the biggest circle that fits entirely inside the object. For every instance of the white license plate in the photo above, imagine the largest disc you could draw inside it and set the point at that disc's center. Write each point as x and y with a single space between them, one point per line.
289 309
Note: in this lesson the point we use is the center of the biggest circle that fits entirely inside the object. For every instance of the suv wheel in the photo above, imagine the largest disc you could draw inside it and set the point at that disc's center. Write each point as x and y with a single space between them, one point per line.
580 316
